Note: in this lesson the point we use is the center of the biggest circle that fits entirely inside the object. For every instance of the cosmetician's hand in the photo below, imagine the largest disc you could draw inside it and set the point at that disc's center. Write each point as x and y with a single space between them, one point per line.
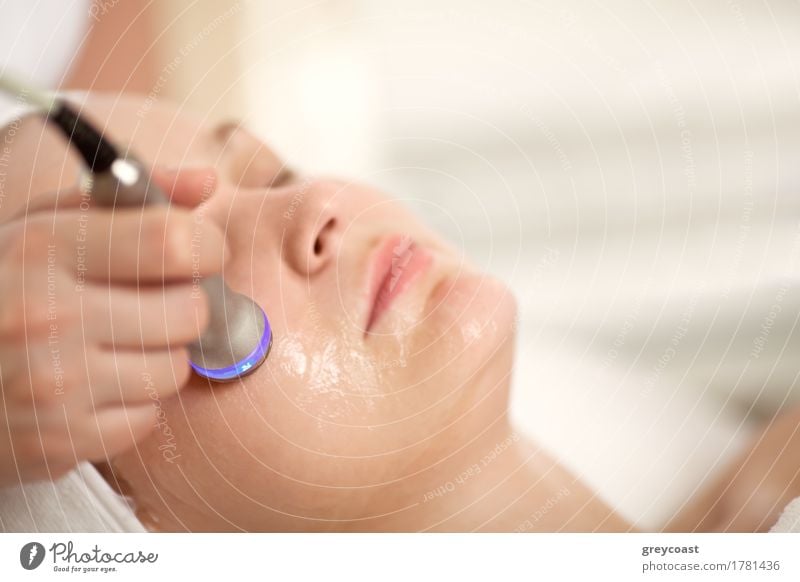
95 312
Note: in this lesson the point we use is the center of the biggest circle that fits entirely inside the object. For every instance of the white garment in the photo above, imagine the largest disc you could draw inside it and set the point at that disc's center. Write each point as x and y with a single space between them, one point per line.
789 520
81 501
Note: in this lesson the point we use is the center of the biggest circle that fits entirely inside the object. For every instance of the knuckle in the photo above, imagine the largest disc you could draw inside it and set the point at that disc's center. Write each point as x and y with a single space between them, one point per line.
40 311
178 241
65 308
45 384
20 319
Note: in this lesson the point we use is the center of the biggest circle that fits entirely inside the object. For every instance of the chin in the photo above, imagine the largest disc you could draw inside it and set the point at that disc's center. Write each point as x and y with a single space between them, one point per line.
473 315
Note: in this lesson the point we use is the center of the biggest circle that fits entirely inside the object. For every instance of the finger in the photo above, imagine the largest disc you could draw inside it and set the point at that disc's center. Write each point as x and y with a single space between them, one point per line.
153 245
24 463
187 186
132 377
50 377
151 317
36 298
49 201
111 431
52 451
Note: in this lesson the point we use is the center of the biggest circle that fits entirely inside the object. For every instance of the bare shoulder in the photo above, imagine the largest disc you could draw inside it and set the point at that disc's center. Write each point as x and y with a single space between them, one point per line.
753 491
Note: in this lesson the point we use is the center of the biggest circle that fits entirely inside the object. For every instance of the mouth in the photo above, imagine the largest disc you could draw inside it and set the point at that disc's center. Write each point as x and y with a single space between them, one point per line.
394 266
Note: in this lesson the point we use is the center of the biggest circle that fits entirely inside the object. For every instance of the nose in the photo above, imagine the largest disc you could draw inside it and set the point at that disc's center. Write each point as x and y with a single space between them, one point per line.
302 223
313 223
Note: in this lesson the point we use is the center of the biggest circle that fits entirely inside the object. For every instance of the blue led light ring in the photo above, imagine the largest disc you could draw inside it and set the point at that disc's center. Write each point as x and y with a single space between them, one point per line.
244 366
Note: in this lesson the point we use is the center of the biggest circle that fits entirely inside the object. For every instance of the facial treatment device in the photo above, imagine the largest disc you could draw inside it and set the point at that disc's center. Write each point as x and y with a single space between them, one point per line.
239 336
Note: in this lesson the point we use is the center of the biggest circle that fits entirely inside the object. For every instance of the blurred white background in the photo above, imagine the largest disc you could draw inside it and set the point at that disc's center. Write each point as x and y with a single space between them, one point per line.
629 167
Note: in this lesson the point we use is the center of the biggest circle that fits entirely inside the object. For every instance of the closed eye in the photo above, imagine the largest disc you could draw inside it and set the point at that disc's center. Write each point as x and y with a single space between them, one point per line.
282 178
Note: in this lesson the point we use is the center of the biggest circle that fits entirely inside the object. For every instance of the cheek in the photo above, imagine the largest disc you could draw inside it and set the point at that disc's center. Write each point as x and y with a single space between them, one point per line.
320 373
246 451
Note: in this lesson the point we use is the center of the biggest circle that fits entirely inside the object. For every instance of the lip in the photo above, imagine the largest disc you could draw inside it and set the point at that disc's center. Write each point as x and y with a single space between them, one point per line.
395 264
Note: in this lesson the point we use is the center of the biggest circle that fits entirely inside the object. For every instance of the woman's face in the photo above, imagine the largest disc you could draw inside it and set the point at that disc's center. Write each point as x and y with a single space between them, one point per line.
389 351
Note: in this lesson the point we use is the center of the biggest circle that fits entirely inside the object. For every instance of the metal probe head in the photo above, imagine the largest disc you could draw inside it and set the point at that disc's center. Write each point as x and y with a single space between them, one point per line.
239 336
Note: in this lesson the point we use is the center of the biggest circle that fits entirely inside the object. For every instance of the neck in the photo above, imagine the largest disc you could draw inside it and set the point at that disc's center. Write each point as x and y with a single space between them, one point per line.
501 481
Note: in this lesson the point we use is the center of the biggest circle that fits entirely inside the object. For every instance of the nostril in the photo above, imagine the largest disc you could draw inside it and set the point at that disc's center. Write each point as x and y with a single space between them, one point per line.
320 241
